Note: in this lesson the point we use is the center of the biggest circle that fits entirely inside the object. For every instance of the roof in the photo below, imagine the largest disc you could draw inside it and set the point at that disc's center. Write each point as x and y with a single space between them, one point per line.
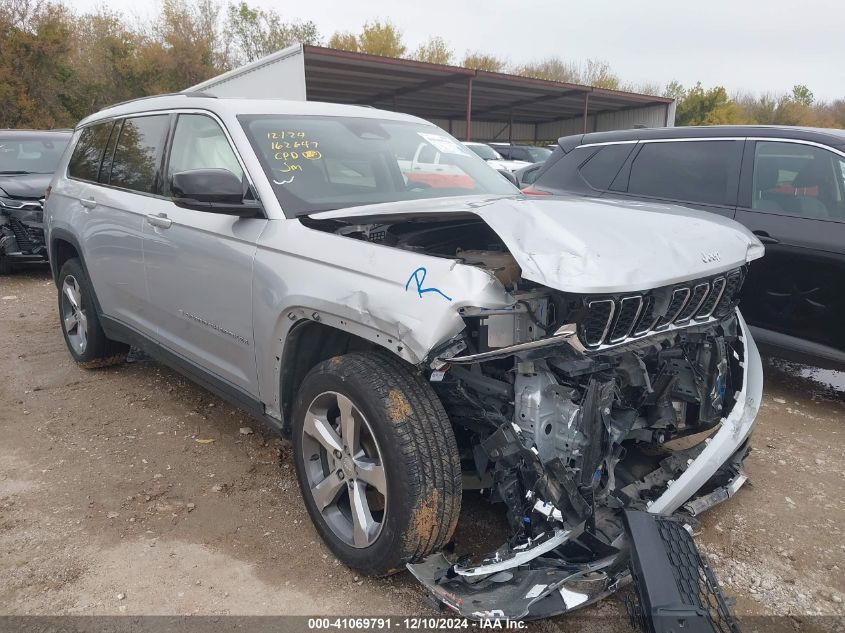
821 135
233 107
440 91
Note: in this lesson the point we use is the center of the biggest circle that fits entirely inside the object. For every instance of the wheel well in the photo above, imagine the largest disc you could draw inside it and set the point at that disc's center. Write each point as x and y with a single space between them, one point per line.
62 251
308 344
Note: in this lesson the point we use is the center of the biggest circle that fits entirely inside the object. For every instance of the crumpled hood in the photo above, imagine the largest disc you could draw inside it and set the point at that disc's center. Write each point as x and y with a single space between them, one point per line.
585 245
24 185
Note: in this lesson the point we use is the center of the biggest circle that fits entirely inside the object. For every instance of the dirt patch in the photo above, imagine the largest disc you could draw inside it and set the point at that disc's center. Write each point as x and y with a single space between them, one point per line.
398 408
104 491
426 519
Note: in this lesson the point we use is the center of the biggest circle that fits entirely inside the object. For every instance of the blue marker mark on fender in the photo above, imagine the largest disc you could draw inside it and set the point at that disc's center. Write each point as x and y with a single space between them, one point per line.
418 277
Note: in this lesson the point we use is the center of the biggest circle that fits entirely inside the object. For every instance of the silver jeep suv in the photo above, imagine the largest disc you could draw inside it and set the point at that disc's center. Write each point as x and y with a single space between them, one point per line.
373 290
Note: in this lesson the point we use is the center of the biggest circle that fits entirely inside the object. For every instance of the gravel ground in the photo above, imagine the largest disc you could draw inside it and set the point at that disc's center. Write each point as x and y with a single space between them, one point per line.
131 491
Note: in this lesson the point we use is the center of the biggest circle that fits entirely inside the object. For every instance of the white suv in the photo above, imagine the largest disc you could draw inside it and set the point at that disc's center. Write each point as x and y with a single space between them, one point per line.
417 327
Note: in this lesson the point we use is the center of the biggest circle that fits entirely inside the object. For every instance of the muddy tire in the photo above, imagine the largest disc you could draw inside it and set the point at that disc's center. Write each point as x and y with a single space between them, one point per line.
377 462
87 343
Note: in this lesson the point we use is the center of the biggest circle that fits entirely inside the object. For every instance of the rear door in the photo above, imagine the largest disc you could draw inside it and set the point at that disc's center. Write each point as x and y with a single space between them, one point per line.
198 264
116 180
793 199
698 173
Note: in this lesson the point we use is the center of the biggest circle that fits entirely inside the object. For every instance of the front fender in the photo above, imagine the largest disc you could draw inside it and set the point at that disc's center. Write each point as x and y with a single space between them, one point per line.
406 302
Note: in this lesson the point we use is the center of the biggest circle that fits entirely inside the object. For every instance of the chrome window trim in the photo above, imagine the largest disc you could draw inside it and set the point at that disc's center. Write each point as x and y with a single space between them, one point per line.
687 139
796 141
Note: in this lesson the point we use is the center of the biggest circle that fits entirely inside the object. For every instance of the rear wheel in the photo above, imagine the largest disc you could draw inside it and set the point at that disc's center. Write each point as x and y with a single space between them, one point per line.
377 462
84 336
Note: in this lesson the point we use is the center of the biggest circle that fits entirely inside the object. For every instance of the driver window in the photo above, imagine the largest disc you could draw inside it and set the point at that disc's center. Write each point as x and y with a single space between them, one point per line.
199 143
798 180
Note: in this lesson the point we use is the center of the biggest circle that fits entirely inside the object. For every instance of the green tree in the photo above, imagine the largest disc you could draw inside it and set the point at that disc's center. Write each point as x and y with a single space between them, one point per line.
381 38
344 41
801 94
255 33
482 61
435 50
707 107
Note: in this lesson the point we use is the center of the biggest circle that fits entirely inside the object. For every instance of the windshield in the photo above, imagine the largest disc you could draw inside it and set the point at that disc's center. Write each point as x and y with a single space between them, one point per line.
485 151
320 163
538 154
31 155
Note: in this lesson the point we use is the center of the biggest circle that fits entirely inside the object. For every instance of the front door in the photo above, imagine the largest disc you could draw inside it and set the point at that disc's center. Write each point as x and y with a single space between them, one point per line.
794 201
198 264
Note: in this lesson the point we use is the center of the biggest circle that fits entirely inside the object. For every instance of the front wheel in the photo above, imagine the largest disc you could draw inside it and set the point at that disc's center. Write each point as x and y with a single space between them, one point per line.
377 462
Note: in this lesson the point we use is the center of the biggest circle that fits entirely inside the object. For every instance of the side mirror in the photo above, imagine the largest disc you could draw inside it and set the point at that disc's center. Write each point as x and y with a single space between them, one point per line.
508 174
213 191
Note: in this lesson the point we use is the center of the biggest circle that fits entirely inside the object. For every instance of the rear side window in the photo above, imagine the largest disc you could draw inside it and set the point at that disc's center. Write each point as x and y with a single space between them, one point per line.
138 151
602 167
704 172
85 161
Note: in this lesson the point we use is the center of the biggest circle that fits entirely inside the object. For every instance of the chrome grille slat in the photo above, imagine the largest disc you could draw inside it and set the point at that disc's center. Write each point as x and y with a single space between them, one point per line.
733 280
625 321
712 299
647 319
680 296
589 336
615 320
699 294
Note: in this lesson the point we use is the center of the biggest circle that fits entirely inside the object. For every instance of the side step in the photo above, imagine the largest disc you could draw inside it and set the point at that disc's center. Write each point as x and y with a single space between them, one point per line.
675 588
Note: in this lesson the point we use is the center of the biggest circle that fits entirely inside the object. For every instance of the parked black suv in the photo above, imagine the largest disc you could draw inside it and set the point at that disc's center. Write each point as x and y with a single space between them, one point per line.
786 184
28 159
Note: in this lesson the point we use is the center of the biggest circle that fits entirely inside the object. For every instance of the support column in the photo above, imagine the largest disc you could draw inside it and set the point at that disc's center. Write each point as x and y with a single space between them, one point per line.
510 129
586 109
469 111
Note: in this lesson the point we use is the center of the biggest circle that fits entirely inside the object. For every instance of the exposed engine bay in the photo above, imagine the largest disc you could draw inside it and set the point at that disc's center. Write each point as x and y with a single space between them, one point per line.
571 409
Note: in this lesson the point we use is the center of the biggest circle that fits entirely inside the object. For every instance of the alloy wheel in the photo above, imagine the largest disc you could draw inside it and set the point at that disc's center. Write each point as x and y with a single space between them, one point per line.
73 316
344 469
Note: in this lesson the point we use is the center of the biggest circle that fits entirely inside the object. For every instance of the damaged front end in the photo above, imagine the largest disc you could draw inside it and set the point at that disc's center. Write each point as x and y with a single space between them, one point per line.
22 231
612 379
573 409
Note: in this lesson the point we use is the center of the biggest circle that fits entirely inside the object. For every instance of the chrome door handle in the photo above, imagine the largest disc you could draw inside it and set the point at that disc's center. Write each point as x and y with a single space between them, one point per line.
159 220
88 203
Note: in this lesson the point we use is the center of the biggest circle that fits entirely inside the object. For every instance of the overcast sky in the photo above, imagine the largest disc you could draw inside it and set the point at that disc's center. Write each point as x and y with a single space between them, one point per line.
744 45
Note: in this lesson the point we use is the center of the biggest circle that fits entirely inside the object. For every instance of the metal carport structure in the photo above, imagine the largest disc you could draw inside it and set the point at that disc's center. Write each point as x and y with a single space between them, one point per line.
471 104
